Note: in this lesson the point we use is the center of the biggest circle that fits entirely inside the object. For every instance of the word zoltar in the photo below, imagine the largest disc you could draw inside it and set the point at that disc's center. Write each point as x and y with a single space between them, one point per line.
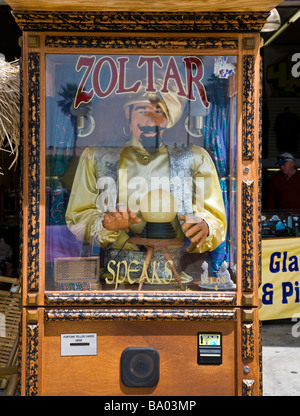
92 68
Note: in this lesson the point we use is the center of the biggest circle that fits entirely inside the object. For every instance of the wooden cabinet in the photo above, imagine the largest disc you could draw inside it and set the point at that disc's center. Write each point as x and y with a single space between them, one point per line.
79 60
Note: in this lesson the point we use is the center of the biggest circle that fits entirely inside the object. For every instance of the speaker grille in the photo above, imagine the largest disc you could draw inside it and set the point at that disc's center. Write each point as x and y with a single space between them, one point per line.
140 367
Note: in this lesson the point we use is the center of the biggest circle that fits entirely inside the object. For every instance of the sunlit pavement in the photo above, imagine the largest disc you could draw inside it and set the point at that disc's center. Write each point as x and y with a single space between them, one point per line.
281 358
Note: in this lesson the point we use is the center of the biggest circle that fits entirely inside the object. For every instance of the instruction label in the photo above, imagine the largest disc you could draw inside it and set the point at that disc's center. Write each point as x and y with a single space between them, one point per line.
78 344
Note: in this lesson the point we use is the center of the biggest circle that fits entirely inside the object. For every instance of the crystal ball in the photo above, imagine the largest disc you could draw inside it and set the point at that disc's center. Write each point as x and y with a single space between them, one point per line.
158 205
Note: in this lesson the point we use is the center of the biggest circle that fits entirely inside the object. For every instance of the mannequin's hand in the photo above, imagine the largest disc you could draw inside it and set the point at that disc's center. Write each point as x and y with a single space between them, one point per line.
196 229
120 219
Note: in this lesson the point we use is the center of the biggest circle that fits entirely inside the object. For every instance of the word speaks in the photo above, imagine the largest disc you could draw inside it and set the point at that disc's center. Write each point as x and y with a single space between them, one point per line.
92 69
118 277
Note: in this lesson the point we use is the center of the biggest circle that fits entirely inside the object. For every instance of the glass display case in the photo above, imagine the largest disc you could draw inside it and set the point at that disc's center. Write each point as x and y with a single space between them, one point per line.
152 137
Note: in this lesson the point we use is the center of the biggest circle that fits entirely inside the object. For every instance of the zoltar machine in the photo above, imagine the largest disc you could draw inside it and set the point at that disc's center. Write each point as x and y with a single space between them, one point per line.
141 170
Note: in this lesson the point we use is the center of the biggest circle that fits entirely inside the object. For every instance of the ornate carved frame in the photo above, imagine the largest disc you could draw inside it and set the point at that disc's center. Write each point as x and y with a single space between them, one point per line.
207 32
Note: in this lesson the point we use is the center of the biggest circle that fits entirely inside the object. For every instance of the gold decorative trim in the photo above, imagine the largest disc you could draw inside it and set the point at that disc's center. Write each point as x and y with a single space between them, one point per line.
141 21
248 107
33 41
33 170
32 360
247 299
32 299
249 43
248 387
247 315
140 314
247 341
260 361
139 42
121 299
260 156
247 236
32 316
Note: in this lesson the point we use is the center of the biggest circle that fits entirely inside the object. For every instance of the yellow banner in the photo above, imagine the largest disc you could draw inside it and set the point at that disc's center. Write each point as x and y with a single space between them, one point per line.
279 291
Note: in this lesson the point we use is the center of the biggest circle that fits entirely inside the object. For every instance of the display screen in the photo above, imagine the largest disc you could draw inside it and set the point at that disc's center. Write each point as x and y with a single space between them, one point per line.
140 172
209 348
209 339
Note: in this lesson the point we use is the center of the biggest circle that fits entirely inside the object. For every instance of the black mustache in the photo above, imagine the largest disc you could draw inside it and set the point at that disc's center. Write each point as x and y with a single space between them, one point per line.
151 129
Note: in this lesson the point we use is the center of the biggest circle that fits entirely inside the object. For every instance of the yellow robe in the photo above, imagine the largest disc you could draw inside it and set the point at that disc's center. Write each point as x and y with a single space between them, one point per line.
84 215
